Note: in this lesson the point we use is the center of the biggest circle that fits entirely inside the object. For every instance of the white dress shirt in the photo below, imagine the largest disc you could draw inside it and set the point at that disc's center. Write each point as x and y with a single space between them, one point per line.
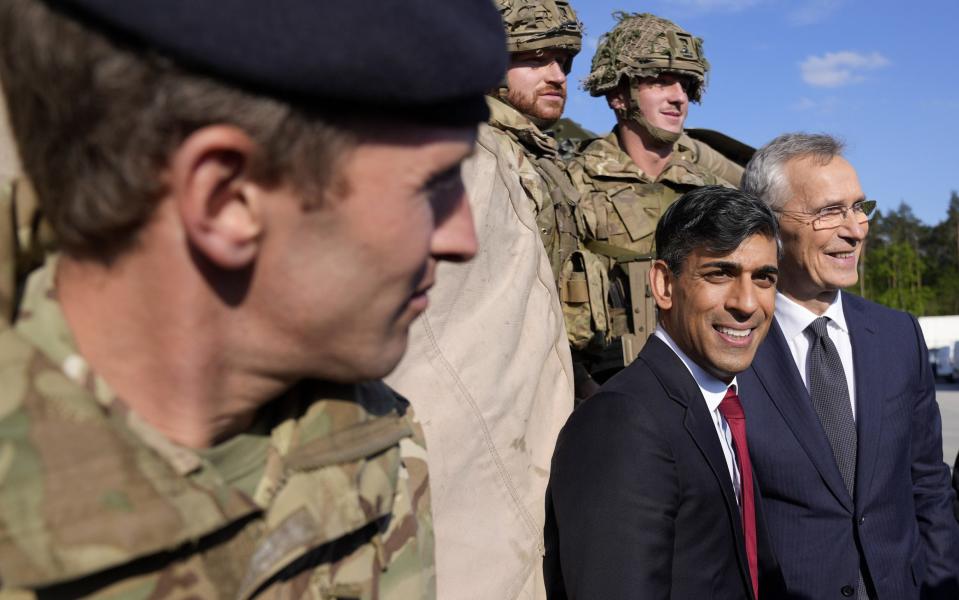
794 319
713 391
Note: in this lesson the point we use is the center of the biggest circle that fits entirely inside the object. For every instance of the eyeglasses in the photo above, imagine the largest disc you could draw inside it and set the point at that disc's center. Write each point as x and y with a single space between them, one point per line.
831 217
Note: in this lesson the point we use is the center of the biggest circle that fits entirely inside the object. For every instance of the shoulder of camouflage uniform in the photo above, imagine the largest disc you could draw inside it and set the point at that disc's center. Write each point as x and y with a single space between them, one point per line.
601 157
687 167
79 493
727 171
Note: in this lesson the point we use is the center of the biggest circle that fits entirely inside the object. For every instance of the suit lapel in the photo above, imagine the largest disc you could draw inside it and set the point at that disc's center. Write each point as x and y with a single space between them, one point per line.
682 388
865 355
776 370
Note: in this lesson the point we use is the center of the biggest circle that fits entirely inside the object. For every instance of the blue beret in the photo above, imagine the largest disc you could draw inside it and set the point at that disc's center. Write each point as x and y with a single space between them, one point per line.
430 60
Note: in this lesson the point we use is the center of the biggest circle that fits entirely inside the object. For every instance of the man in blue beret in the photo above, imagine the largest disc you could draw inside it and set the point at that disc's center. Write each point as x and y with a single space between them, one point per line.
250 201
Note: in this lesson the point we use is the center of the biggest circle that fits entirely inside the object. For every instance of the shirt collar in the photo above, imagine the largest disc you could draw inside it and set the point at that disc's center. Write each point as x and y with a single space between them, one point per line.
793 318
712 389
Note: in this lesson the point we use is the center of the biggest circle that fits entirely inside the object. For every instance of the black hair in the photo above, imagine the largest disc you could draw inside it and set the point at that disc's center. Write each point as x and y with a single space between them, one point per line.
714 218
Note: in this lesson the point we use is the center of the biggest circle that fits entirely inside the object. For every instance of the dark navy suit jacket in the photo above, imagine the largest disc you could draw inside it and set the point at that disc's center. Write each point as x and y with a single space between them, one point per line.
901 523
640 503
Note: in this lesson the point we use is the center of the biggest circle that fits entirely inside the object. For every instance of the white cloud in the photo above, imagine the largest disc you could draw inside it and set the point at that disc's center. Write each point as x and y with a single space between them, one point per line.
813 11
835 69
823 106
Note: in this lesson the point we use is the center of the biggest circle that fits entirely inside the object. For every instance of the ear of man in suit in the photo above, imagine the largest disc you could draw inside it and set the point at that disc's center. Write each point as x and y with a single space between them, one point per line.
856 494
649 492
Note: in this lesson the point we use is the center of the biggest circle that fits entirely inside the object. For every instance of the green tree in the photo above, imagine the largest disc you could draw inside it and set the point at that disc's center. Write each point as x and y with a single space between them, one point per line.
940 248
895 278
892 264
912 266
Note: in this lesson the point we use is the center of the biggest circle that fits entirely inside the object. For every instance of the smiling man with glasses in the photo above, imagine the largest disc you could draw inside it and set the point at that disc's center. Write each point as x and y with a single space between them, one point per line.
842 421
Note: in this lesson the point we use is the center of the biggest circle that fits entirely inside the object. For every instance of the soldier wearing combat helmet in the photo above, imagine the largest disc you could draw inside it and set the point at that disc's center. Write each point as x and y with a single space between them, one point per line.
649 70
543 36
489 367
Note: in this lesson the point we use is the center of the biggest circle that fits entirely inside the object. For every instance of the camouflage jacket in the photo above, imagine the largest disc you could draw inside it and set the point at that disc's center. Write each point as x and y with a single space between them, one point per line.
94 502
545 181
621 206
579 276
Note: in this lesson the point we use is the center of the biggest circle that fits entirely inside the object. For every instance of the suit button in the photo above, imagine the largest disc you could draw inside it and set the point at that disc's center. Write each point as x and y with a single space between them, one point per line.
862 520
848 591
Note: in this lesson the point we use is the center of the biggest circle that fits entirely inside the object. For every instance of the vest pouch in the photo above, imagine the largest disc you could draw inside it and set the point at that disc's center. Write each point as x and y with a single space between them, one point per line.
575 290
639 212
584 285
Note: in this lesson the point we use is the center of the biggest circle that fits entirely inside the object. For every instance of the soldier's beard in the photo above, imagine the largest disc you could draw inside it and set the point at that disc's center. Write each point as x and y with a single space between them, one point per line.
528 104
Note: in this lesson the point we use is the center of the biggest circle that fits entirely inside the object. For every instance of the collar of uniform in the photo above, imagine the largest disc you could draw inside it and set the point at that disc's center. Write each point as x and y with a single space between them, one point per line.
506 118
794 318
131 494
712 389
41 321
99 487
605 157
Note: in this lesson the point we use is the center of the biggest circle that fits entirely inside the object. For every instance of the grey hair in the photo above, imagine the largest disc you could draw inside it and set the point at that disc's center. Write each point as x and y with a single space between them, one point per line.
765 175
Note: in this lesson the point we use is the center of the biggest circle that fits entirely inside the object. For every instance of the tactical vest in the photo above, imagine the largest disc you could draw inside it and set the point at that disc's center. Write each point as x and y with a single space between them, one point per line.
622 206
581 278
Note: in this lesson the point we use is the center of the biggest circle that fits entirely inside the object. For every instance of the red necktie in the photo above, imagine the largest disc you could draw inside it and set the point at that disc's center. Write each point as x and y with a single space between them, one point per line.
732 411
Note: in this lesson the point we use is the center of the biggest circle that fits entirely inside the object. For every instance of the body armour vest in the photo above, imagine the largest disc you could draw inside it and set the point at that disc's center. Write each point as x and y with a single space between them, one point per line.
621 206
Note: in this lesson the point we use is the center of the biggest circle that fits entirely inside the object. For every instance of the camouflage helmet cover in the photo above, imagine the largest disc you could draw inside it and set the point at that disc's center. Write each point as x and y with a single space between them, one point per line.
644 45
539 24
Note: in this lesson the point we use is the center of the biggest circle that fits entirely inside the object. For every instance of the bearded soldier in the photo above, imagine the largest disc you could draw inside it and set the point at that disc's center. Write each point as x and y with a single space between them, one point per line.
248 214
489 368
649 70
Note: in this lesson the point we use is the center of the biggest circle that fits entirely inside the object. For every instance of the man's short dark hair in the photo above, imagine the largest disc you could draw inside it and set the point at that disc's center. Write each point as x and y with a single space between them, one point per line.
714 218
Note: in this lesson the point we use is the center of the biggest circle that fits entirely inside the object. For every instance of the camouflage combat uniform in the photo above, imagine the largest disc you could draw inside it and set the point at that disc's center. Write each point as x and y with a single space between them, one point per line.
622 205
326 496
580 277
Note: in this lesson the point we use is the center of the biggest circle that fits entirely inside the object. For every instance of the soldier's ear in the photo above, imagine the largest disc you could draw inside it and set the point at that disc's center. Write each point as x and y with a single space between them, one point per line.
661 280
215 197
618 99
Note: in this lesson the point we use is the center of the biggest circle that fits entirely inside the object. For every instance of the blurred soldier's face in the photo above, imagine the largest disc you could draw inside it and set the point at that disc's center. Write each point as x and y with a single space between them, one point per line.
819 260
348 277
537 83
718 309
663 100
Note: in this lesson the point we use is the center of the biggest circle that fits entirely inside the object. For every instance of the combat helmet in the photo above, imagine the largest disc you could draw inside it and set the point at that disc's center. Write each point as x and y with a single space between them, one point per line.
644 45
539 24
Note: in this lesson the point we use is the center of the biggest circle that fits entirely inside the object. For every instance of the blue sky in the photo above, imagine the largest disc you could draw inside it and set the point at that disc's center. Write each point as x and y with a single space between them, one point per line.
881 75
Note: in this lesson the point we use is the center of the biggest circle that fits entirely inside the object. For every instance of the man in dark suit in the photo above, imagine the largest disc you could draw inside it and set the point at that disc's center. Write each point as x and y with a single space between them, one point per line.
844 429
651 493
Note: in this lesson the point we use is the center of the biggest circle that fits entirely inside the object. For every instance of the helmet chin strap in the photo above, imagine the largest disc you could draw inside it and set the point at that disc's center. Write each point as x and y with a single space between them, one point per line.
657 133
